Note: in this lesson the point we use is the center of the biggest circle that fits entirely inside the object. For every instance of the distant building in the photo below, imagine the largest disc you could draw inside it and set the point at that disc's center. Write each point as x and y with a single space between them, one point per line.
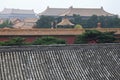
84 12
27 23
17 13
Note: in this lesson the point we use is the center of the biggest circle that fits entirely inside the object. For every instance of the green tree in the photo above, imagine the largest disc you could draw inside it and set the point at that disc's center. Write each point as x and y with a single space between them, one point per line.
106 37
109 22
6 23
58 19
92 21
44 22
2 43
15 41
94 36
48 40
116 21
78 26
101 19
77 19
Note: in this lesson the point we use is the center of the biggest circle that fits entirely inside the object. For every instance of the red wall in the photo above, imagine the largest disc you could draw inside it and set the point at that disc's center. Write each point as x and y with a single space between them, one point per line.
68 39
4 39
29 39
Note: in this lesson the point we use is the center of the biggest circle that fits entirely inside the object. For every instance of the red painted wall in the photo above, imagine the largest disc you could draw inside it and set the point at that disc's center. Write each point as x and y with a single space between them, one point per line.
68 39
29 39
4 39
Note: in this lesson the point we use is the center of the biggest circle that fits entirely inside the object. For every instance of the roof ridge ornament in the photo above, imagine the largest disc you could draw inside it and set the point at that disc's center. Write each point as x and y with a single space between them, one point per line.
48 7
71 7
102 7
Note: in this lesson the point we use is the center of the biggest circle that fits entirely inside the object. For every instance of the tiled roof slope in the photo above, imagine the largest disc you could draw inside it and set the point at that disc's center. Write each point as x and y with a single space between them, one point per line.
79 11
17 11
86 12
64 62
53 11
21 14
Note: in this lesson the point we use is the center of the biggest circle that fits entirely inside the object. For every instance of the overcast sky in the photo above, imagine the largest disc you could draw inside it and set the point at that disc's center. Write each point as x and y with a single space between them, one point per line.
112 6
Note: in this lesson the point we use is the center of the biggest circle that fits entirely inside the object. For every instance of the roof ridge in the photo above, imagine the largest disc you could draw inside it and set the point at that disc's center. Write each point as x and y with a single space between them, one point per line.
107 12
82 11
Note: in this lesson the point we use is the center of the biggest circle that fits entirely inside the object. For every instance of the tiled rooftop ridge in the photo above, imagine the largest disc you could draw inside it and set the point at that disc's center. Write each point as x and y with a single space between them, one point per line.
60 62
17 11
70 11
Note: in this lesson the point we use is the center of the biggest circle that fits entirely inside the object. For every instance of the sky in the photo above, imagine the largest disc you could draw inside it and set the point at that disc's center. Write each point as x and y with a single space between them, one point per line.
111 6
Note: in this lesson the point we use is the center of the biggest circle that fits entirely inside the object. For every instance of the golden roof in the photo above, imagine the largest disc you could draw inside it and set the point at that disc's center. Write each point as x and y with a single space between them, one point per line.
65 21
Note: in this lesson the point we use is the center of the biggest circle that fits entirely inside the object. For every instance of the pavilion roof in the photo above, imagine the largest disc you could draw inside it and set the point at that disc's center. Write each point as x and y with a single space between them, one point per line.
65 21
53 11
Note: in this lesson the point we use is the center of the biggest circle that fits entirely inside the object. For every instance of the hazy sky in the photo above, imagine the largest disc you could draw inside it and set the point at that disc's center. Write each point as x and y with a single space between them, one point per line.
112 6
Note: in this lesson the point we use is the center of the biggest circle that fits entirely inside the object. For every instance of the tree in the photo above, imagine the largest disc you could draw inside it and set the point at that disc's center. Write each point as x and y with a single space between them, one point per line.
94 36
102 19
15 41
77 19
109 22
106 37
92 21
6 23
45 22
78 26
48 40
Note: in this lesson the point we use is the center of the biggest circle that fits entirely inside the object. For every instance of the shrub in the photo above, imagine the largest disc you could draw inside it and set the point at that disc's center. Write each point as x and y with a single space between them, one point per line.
94 36
48 40
2 43
15 41
78 26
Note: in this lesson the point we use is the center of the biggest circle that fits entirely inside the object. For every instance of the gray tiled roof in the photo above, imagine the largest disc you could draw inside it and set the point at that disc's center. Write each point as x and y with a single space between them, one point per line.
80 11
86 12
62 62
53 11
17 11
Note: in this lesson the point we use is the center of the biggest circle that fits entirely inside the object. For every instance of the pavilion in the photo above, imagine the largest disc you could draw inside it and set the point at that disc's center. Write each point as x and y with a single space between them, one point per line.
65 22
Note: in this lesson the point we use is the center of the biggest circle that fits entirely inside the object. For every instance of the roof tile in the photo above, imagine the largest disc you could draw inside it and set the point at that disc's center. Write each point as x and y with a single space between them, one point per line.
60 62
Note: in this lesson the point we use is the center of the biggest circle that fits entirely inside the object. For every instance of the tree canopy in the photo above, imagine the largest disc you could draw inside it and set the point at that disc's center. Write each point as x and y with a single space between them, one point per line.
86 22
6 23
48 40
15 41
106 21
94 36
45 22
